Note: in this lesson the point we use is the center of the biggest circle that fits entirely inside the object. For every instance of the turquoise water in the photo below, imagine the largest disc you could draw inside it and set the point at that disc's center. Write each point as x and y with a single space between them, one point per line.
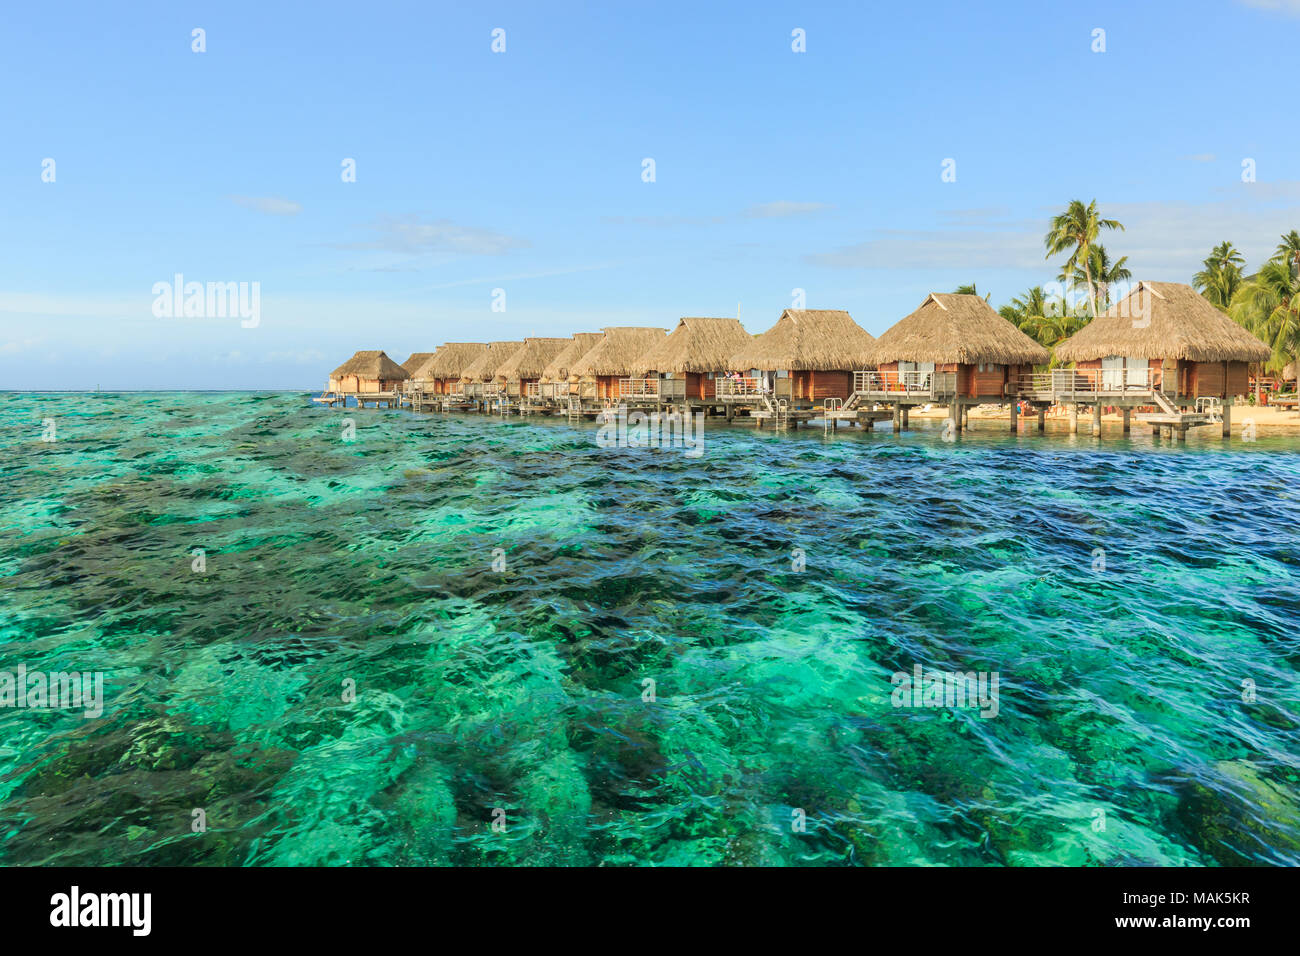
1125 732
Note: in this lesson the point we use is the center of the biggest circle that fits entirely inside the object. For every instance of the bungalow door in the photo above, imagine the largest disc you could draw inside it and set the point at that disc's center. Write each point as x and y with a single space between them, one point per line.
1137 372
915 376
1112 373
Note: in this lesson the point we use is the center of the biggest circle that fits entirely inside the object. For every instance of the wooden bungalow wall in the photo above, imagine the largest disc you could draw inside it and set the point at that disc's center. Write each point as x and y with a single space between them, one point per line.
818 385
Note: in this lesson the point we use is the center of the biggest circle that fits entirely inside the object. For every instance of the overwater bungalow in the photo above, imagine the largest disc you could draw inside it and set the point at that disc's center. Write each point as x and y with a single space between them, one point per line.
554 383
520 373
442 374
415 363
1163 346
1167 336
809 356
954 350
606 370
368 373
686 366
478 379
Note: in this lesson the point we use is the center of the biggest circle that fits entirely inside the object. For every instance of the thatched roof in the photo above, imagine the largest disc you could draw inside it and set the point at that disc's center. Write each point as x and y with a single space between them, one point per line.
531 358
964 329
579 345
484 368
416 361
374 364
452 359
1163 320
696 345
615 353
808 340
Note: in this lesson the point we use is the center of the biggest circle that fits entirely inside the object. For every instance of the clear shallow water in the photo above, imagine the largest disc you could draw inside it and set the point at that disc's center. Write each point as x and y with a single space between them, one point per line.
521 690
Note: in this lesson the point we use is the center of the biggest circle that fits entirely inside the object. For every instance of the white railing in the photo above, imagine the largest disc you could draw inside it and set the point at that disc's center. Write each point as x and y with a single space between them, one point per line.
555 390
737 387
1072 382
638 387
533 389
913 383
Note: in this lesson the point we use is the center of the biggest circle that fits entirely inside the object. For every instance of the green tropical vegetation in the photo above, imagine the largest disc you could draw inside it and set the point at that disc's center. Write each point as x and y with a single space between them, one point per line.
1075 231
1267 302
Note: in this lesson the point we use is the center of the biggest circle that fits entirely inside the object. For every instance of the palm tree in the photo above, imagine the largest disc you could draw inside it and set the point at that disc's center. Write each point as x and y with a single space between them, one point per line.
1019 309
1047 321
968 290
1100 275
1289 250
1075 231
1269 306
1222 275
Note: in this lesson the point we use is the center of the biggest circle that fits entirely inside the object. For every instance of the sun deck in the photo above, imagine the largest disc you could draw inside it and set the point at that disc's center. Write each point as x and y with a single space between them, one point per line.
913 387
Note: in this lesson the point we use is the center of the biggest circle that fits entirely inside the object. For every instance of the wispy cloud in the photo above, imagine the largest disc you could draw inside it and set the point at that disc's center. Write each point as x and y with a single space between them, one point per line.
413 235
1289 7
1163 239
270 205
517 277
938 249
1199 158
780 209
665 221
18 345
784 209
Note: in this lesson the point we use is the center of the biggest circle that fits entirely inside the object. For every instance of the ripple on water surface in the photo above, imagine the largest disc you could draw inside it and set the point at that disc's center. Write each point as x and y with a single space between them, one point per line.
500 593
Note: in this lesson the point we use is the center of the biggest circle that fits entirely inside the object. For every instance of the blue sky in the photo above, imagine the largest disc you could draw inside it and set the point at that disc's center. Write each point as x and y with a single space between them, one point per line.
522 170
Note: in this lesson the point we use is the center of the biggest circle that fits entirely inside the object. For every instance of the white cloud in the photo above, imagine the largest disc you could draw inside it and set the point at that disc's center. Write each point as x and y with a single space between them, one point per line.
784 209
271 205
1200 158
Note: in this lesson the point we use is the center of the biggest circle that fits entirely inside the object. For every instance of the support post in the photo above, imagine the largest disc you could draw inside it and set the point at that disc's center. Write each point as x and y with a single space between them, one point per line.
1227 417
1015 417
1096 418
898 417
1042 419
1074 418
1128 414
904 418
